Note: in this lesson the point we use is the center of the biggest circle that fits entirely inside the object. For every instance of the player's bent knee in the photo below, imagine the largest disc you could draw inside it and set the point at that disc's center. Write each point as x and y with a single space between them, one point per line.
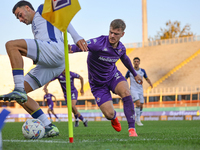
126 93
9 45
137 103
109 115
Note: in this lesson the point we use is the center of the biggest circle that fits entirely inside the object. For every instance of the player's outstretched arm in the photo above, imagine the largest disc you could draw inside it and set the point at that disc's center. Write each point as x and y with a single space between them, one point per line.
46 85
148 80
82 82
127 63
55 99
74 49
43 101
78 40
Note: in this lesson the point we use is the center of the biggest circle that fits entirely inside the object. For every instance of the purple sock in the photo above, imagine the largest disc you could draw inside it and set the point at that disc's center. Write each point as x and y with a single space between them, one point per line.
129 111
50 115
56 116
81 117
76 116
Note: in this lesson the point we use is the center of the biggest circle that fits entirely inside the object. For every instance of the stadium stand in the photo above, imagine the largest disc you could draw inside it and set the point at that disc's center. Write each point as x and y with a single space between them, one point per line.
157 60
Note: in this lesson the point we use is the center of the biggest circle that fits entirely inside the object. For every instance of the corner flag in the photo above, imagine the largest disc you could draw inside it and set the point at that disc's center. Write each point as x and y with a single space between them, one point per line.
60 12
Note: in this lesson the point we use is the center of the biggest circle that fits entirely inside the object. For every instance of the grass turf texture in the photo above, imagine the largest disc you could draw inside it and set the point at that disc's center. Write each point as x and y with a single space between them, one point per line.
164 135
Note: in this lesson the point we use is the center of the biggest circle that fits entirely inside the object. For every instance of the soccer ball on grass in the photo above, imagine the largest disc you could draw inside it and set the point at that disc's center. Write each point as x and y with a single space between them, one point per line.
33 129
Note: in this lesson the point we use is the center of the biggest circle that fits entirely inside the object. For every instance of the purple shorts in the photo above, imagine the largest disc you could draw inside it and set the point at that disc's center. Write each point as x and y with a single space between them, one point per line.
74 95
102 92
50 106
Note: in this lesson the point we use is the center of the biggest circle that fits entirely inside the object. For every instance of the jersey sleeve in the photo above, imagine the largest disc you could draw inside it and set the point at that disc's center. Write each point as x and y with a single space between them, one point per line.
94 44
145 75
127 74
127 63
75 36
75 75
52 96
40 9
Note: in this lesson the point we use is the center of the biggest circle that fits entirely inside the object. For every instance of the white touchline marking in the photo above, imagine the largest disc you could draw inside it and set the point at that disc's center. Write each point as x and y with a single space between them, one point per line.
86 141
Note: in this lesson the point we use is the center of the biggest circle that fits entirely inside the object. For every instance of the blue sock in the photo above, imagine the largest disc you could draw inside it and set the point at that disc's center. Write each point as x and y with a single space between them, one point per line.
39 114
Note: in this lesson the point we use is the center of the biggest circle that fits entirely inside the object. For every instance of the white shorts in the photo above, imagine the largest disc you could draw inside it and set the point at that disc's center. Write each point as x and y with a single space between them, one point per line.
137 96
49 57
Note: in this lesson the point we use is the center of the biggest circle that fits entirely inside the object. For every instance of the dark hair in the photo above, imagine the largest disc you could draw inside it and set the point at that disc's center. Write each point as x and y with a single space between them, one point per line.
136 58
118 23
20 4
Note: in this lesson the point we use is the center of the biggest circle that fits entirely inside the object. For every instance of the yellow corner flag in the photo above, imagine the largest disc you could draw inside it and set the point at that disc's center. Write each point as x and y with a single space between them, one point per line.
60 12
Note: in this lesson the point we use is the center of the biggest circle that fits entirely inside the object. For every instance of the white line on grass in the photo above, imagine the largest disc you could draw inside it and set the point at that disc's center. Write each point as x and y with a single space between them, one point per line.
89 141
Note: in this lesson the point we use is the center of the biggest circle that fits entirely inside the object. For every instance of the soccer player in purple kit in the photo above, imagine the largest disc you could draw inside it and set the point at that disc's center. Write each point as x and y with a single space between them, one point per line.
74 94
48 96
104 52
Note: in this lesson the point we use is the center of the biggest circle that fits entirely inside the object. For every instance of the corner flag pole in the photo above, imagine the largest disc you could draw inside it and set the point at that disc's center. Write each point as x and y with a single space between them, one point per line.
60 14
68 90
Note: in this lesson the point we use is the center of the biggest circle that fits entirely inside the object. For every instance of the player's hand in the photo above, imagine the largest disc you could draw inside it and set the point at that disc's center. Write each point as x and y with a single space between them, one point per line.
138 79
70 49
82 92
82 44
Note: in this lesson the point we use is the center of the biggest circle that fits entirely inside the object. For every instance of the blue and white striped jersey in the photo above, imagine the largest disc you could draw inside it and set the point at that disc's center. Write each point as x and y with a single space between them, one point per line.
43 30
133 84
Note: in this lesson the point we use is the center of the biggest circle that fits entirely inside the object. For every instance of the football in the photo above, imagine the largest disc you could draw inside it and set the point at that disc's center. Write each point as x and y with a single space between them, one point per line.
33 129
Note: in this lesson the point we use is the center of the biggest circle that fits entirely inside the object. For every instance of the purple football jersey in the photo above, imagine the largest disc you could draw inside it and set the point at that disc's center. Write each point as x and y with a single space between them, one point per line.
48 97
62 81
102 58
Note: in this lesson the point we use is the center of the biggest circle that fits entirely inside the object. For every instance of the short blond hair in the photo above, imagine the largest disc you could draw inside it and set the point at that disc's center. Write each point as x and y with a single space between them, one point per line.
118 23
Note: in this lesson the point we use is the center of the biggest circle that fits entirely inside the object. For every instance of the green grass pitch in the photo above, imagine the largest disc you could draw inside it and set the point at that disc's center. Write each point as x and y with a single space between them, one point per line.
154 135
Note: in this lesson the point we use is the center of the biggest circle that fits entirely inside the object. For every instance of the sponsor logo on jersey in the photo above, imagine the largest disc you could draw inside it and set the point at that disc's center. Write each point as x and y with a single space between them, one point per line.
62 81
107 59
58 4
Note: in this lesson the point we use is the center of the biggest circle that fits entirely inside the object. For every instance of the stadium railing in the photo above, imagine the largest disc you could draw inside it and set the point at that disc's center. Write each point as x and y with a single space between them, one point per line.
164 42
156 97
